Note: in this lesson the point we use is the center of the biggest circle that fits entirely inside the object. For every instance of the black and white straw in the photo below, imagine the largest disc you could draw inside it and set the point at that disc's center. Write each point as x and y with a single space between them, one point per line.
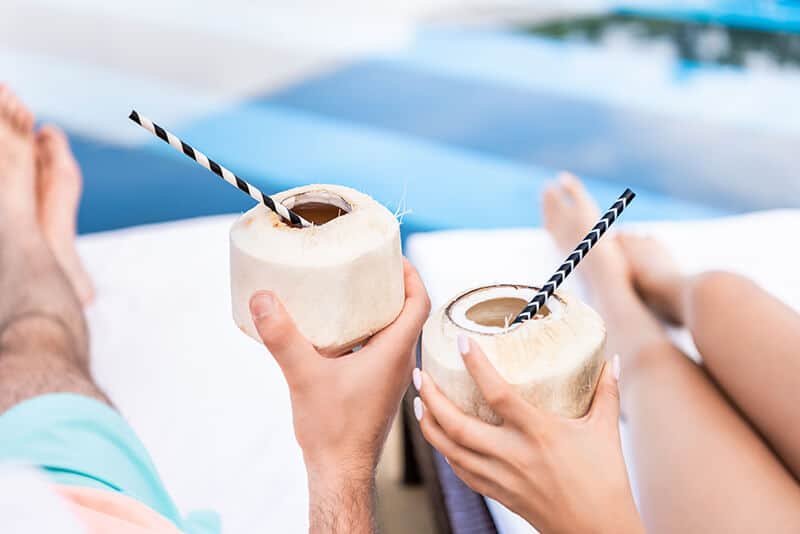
288 215
608 218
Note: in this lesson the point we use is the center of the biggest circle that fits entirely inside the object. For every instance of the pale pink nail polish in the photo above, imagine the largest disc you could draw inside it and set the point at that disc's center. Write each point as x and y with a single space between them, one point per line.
416 377
463 344
615 366
418 409
262 305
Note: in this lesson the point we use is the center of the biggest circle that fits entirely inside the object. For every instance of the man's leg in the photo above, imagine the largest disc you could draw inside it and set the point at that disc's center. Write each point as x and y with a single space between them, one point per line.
49 414
750 341
698 465
44 345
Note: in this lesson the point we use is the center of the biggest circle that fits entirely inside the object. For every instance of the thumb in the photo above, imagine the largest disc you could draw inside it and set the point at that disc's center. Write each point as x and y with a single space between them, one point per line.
605 405
295 355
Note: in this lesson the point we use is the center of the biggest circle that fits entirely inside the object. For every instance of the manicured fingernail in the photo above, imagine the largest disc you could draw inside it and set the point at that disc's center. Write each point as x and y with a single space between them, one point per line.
615 366
418 408
262 305
463 344
416 377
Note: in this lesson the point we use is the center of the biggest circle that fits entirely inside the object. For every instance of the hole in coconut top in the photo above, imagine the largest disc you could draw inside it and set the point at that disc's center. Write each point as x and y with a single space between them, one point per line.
499 312
489 310
318 207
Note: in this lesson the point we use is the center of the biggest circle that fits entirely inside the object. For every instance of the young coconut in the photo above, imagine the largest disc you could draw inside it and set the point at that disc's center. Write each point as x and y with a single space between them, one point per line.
553 360
340 280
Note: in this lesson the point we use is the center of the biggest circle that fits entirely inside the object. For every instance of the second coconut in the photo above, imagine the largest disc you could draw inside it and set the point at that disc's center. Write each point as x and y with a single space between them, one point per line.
553 360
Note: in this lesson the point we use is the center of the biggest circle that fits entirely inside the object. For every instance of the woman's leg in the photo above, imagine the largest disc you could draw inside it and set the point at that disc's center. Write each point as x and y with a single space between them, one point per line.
750 341
699 466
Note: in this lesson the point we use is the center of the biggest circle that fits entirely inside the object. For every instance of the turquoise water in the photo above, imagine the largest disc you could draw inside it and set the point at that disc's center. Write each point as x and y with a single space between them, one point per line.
702 41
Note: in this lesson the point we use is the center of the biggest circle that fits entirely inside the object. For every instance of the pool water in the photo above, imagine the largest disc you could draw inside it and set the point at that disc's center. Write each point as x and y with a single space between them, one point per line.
463 128
694 41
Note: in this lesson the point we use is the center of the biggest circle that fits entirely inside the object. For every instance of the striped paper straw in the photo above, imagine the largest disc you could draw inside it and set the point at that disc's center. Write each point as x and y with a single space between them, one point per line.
288 215
608 218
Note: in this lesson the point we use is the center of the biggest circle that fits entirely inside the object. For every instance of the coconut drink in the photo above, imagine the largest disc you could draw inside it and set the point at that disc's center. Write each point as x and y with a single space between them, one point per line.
547 344
553 360
330 253
341 279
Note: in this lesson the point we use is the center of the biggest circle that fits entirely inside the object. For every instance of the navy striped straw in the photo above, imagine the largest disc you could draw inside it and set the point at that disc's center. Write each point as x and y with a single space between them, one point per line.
583 248
287 215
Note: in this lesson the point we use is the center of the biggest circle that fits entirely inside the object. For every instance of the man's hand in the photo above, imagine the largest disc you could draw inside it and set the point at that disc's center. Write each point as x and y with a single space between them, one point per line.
561 475
343 407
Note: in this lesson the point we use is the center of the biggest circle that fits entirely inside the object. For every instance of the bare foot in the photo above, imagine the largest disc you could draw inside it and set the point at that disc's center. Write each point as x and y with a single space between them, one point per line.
16 161
569 213
59 184
656 276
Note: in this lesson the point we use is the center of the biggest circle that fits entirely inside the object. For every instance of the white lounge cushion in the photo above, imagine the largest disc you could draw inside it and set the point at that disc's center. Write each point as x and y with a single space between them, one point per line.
760 245
209 403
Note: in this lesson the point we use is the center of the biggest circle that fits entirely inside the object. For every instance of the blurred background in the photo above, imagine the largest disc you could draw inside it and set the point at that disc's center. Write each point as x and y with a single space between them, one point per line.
454 112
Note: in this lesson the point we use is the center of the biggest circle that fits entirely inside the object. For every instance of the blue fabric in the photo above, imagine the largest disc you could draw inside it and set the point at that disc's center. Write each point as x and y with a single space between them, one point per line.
444 186
126 186
528 125
79 441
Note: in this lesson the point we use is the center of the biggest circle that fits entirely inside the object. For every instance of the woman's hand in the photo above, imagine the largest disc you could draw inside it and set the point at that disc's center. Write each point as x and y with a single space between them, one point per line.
561 475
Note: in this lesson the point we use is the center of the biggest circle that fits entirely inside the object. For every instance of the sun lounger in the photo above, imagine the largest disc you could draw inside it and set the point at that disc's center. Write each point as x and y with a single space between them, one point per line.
212 406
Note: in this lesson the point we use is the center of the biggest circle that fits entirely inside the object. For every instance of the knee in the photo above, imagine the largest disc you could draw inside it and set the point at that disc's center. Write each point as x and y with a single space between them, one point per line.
717 290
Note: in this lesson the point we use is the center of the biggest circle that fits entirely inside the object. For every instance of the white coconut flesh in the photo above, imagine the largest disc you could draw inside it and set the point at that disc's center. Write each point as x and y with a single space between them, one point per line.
491 310
553 360
341 280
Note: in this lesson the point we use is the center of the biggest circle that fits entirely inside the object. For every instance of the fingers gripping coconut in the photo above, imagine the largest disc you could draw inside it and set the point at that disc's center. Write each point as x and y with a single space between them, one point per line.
530 363
343 407
552 361
330 287
560 474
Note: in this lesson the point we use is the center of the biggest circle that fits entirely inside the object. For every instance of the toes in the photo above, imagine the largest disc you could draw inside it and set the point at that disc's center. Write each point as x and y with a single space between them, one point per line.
53 139
571 184
45 135
573 188
14 111
553 203
25 119
22 116
11 105
58 170
44 150
47 142
4 96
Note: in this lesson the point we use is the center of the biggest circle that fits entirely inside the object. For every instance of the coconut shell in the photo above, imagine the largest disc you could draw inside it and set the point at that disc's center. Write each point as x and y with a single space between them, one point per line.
341 281
554 362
